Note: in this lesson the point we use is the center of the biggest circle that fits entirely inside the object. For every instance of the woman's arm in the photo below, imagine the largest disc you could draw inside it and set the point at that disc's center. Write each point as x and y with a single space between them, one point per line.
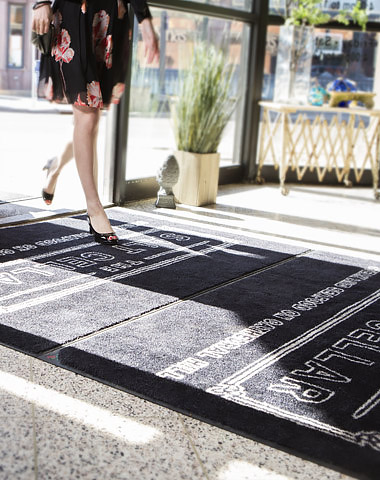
152 50
144 17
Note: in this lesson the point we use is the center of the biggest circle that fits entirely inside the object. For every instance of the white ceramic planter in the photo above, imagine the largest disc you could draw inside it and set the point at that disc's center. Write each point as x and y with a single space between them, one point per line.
198 178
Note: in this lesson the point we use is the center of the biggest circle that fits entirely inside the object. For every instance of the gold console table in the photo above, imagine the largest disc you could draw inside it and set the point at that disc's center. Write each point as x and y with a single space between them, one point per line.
291 140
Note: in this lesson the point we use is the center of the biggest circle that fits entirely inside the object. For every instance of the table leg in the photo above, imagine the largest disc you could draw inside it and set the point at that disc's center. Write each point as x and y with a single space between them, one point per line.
264 134
375 165
350 150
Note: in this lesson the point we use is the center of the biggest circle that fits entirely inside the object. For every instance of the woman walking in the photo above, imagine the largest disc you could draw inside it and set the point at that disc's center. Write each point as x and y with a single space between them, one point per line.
87 68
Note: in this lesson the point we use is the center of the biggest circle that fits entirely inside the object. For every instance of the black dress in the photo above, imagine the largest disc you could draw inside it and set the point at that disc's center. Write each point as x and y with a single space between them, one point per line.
89 57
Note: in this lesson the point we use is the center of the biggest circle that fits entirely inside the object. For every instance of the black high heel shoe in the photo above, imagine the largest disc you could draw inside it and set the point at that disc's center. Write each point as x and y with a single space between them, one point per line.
48 197
103 238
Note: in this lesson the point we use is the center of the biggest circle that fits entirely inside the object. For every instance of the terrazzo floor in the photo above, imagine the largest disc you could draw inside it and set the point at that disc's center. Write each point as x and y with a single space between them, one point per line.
58 425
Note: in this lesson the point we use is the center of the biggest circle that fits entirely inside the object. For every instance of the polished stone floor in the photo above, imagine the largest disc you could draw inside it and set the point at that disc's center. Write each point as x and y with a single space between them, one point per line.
58 425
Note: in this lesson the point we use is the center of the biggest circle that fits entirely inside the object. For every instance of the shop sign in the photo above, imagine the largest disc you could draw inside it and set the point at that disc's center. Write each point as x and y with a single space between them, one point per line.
272 43
371 5
328 44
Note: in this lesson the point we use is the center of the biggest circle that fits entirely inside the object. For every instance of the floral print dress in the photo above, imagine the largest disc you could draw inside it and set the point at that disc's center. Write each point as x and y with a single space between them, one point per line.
89 57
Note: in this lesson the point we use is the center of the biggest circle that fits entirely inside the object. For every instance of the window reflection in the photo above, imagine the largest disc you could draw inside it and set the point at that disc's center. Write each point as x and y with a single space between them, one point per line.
338 53
16 36
153 86
245 5
277 7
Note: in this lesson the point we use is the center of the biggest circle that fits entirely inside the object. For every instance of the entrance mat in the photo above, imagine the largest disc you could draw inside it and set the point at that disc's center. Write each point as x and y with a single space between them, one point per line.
289 356
57 284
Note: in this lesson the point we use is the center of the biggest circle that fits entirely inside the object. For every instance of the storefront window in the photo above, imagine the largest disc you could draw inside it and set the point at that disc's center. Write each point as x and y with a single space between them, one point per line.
153 87
337 53
16 36
277 7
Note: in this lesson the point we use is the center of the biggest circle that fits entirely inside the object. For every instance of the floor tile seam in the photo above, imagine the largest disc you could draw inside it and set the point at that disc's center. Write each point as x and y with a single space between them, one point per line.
167 306
285 219
306 243
256 231
17 200
193 446
52 216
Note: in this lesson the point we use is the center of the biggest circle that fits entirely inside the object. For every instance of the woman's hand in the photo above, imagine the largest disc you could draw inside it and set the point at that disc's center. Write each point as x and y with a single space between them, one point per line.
41 19
152 50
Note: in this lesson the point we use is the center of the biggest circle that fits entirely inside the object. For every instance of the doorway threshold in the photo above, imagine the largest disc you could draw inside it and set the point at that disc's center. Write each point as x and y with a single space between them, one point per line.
31 211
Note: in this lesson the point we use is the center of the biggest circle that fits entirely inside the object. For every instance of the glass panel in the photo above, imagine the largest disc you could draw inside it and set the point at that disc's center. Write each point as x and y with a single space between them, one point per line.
23 122
338 53
16 36
277 7
150 132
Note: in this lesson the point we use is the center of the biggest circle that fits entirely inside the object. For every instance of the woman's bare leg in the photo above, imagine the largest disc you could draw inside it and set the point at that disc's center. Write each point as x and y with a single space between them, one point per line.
95 167
86 121
56 167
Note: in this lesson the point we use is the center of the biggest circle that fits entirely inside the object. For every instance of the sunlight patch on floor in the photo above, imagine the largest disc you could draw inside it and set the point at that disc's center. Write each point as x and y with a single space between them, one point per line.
240 470
78 410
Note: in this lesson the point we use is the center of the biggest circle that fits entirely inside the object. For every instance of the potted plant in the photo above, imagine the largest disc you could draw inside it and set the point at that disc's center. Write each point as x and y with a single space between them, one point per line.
200 113
296 45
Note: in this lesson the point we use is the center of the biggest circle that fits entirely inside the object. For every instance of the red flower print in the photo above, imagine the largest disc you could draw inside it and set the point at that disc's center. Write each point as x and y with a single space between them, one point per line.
79 102
102 43
108 52
121 10
117 92
62 50
94 95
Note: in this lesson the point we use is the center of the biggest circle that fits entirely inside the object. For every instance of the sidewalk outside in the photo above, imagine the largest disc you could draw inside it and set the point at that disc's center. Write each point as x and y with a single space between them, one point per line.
32 132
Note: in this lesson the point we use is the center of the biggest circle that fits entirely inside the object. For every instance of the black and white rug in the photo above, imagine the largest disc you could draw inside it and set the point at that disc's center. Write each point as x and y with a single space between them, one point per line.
58 285
273 343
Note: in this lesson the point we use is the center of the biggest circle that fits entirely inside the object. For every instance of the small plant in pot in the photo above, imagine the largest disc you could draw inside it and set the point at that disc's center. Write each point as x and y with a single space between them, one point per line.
200 114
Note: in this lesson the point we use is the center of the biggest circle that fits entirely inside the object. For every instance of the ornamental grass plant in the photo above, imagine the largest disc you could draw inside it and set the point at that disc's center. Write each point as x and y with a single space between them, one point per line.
204 104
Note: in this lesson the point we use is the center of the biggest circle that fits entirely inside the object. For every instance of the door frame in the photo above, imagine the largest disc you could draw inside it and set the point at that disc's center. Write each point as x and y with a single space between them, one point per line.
117 188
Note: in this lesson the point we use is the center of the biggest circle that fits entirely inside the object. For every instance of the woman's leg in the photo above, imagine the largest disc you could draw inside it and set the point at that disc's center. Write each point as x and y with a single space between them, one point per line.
95 165
55 169
86 121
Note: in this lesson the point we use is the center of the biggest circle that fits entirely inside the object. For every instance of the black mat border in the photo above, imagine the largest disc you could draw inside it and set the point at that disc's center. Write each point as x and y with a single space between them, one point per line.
199 410
195 402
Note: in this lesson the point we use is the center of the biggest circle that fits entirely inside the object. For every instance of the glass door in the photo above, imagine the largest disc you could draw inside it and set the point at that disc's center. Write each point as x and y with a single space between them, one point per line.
149 134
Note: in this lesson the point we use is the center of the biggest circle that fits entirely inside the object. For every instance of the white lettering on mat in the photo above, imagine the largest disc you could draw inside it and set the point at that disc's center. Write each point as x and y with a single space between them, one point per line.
242 337
185 367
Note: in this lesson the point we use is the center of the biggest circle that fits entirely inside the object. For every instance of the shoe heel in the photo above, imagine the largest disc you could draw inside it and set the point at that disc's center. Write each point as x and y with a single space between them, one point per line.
48 197
103 238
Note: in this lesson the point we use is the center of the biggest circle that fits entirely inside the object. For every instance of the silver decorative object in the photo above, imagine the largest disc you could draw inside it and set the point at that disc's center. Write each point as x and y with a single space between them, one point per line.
293 67
167 177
